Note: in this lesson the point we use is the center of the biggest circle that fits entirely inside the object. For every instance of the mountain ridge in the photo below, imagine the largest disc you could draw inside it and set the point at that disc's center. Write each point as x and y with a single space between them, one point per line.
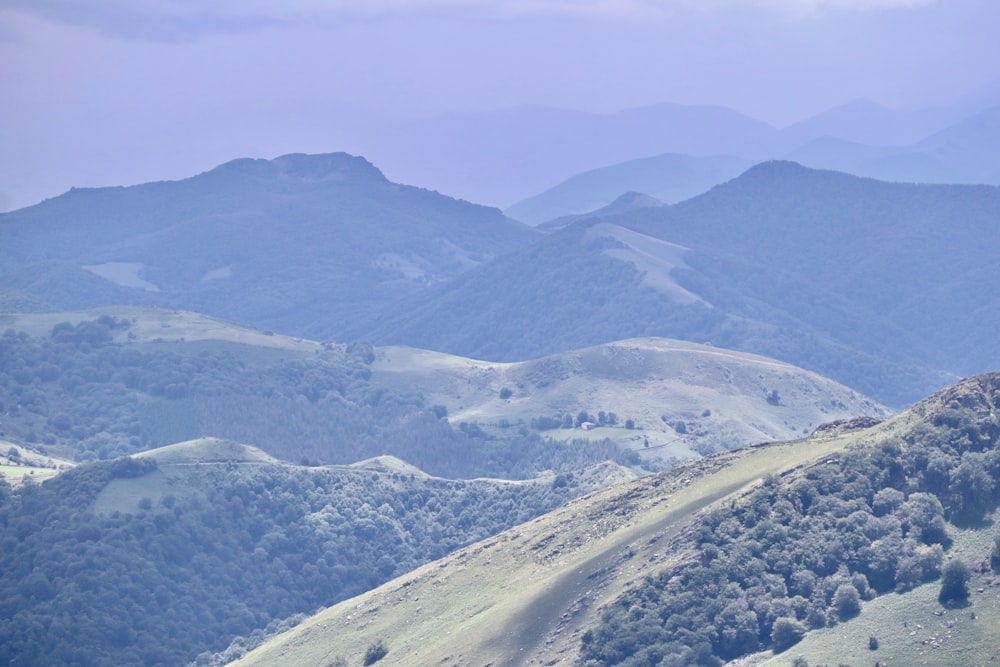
833 272
302 230
861 137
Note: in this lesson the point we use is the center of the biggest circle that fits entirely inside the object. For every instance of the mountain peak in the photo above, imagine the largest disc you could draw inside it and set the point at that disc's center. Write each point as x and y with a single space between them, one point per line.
771 171
301 166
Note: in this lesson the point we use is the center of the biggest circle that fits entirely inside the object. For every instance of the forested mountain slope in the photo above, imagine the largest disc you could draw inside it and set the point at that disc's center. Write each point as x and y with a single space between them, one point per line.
301 244
889 288
712 560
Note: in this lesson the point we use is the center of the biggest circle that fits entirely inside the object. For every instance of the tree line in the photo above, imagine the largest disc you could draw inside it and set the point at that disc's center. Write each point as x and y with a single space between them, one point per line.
181 575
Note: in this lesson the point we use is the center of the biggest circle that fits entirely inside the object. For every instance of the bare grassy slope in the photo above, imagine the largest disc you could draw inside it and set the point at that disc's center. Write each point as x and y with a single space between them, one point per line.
682 397
148 324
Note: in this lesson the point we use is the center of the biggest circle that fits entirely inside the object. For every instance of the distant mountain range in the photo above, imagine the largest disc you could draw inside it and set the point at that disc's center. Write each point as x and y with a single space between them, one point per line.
505 156
668 178
884 287
860 138
888 288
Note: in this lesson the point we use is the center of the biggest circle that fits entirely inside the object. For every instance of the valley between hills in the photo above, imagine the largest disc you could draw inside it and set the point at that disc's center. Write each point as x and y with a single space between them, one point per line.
289 412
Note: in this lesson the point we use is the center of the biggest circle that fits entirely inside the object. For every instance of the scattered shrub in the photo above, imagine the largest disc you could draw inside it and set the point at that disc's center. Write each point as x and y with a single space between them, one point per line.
375 652
786 632
954 583
847 602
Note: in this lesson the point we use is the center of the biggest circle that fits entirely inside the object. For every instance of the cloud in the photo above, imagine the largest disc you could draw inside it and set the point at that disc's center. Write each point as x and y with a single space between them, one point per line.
812 7
170 20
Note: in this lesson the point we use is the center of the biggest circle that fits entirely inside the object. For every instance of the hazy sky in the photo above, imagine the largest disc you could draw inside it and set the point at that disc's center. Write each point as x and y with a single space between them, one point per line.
107 92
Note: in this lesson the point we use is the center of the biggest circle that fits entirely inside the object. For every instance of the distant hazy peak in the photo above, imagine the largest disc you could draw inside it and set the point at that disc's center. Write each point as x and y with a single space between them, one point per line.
772 171
320 167
632 200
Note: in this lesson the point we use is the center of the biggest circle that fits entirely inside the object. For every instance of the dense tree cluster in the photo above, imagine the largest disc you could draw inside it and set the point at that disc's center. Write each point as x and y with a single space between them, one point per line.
77 390
183 574
802 552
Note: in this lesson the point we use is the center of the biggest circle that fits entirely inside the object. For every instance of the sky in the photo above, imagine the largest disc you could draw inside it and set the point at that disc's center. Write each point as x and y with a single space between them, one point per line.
118 92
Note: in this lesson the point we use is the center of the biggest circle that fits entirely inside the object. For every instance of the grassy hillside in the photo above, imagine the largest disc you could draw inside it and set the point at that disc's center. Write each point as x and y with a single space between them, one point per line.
533 590
551 591
668 400
19 464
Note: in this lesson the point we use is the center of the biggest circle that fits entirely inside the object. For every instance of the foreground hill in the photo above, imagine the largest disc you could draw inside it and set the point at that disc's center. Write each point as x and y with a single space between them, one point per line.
712 560
888 288
154 559
302 244
98 384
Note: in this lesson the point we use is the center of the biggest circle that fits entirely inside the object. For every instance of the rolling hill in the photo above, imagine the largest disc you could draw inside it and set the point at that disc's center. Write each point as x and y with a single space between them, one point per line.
668 400
704 563
100 384
302 244
113 381
885 287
